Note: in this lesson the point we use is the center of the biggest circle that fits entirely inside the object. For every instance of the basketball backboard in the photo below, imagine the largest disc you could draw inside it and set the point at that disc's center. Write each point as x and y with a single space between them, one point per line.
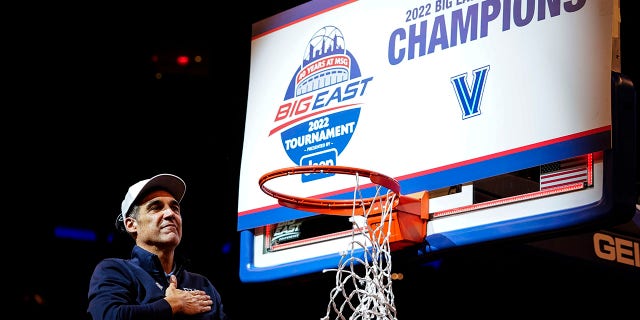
493 110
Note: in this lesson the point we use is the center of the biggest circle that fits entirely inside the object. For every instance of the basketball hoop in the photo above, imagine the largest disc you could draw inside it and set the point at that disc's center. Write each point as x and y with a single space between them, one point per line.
368 294
329 206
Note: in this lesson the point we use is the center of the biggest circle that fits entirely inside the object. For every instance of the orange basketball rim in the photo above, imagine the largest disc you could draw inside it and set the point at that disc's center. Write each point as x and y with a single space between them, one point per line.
410 212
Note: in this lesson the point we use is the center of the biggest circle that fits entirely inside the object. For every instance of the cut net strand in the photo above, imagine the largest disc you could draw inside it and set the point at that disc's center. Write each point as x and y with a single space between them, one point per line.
363 286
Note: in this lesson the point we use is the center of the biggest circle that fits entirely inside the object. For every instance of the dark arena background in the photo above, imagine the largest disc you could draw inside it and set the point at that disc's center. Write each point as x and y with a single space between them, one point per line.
101 95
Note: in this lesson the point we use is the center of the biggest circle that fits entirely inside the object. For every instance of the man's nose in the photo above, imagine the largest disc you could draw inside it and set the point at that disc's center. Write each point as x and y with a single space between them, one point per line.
168 212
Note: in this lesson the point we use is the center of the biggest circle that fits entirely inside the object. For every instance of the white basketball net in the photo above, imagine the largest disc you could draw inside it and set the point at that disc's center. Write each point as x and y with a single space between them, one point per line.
363 282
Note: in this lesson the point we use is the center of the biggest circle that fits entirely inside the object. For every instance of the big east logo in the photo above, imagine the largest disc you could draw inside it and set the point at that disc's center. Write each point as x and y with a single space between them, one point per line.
320 110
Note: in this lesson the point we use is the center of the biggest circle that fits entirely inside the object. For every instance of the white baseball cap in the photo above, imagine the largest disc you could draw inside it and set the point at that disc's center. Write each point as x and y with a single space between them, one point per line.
172 183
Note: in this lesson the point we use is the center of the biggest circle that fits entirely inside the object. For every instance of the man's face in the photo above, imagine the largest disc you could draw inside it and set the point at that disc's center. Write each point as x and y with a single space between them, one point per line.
159 223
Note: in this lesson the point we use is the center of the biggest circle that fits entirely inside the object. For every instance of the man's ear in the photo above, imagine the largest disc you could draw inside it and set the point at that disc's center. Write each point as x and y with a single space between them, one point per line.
130 224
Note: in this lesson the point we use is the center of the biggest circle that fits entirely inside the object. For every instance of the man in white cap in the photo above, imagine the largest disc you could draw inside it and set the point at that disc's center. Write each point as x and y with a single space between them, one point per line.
153 283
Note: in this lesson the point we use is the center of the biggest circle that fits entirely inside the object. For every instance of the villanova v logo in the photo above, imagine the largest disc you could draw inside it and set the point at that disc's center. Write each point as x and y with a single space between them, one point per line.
469 100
